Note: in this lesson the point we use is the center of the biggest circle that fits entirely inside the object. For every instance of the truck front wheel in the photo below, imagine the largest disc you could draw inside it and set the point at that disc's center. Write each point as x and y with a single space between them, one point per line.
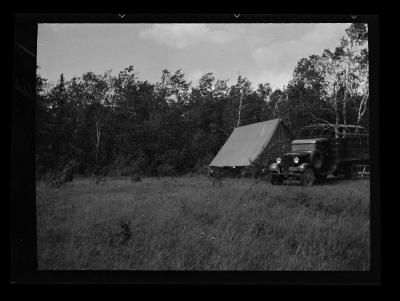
307 177
276 180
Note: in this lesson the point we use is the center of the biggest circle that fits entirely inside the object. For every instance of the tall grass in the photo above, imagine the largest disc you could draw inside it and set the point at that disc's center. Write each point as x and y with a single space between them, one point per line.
189 224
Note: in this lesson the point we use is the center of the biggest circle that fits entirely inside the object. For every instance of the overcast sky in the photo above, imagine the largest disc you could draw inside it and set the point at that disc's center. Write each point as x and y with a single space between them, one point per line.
264 53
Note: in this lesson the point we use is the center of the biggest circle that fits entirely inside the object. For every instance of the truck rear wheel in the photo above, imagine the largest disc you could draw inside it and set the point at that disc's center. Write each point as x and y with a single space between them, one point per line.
307 177
321 179
349 172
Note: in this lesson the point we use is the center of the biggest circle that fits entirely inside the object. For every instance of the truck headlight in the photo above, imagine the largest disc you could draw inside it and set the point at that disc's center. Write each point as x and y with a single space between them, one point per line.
296 160
278 160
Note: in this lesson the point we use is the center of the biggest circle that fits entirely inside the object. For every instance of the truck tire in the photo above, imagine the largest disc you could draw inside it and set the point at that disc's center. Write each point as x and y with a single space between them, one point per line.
307 177
349 172
276 180
321 179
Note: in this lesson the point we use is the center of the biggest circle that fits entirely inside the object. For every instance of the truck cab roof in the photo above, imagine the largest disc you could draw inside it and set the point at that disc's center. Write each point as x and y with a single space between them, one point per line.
307 141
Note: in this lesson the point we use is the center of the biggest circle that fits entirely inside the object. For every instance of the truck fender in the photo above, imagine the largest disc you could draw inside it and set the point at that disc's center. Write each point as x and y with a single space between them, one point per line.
316 159
274 167
303 166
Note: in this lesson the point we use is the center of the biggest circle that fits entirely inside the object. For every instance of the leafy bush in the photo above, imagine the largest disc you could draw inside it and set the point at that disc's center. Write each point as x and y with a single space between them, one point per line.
165 169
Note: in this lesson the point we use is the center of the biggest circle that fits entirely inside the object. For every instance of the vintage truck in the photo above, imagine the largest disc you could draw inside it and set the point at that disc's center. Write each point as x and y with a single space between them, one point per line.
322 150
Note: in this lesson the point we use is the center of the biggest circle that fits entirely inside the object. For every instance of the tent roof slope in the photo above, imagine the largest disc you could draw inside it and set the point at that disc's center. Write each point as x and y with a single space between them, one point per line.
245 144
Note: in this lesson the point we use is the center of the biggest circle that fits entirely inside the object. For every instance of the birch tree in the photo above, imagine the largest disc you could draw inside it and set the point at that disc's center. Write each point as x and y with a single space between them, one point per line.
240 107
354 62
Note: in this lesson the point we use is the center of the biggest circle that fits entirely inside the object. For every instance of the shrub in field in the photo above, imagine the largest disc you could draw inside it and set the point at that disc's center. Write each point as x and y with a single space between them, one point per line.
202 170
136 178
165 169
125 233
128 165
57 179
68 171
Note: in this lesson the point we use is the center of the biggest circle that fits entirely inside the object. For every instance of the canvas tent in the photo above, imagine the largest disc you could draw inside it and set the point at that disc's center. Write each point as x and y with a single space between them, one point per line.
246 143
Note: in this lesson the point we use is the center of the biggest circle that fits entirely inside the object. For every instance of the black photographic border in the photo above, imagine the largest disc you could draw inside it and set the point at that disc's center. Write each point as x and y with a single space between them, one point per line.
23 252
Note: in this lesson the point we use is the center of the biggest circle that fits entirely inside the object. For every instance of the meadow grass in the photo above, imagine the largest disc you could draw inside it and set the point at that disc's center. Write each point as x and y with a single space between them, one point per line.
189 224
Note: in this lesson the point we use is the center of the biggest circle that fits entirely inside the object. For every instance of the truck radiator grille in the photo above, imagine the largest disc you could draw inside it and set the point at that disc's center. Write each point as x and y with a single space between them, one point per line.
286 163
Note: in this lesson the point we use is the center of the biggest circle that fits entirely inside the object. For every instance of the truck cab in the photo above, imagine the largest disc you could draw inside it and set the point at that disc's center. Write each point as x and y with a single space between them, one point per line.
306 156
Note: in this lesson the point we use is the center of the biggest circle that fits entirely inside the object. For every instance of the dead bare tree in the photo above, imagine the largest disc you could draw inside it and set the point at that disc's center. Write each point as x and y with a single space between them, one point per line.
276 106
333 80
98 123
346 92
336 110
240 109
98 136
362 108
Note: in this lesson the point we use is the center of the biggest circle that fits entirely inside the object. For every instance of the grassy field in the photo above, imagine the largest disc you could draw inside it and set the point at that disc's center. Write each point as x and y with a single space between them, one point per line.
188 224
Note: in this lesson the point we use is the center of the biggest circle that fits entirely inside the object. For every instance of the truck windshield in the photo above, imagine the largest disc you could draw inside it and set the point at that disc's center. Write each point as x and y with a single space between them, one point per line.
303 147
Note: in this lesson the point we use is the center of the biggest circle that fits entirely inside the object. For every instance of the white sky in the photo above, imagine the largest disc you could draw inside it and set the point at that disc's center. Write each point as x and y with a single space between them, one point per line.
264 53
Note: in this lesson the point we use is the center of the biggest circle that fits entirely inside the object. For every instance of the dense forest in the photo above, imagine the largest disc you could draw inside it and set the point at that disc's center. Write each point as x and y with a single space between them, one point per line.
121 125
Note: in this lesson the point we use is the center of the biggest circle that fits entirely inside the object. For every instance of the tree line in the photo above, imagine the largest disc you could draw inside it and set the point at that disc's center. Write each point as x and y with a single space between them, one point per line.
121 125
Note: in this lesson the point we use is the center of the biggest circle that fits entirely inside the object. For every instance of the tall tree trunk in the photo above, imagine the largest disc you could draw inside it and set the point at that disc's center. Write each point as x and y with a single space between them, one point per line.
276 107
362 108
346 92
240 109
344 103
336 110
98 135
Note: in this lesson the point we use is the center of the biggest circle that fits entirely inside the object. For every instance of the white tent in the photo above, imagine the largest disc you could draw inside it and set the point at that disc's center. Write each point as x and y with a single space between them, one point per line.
248 142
